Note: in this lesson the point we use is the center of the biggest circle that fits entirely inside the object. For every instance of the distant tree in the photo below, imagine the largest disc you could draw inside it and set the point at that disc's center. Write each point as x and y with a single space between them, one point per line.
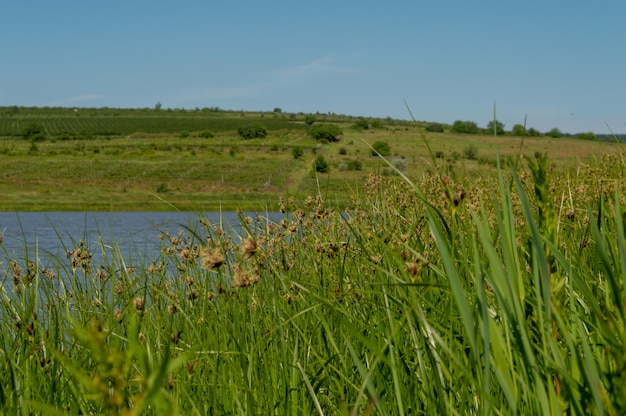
34 132
587 136
157 106
361 124
554 133
466 127
518 130
496 127
376 124
278 110
533 132
321 165
253 131
435 127
309 119
326 132
381 148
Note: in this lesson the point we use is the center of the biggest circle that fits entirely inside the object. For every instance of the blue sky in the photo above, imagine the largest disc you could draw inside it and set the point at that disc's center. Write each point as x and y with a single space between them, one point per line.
561 63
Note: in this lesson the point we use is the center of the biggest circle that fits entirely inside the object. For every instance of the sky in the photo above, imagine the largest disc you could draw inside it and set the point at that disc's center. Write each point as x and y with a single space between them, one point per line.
555 63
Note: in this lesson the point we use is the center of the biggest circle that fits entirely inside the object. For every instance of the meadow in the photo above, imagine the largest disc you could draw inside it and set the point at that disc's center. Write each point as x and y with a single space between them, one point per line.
445 285
193 160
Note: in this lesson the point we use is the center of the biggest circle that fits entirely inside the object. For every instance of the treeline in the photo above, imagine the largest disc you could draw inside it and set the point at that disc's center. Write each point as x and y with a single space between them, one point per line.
498 128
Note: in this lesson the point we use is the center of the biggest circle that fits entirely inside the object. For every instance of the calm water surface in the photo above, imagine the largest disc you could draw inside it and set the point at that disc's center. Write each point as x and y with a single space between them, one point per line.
134 234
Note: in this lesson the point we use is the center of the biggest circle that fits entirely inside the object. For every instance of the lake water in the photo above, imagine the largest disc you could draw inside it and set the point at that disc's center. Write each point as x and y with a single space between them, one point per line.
135 234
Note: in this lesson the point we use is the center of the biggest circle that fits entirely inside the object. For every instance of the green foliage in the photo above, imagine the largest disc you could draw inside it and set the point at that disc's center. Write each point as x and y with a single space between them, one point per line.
355 164
326 132
381 148
470 152
320 165
309 119
445 296
465 127
342 151
555 133
361 124
495 127
297 152
533 132
34 132
206 134
252 131
518 130
435 127
587 136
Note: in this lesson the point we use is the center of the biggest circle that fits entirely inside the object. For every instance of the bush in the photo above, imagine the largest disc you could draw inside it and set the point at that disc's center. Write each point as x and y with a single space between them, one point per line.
297 152
207 134
362 124
253 131
587 136
343 151
439 154
435 127
34 132
309 119
327 132
355 165
470 152
321 165
467 127
381 148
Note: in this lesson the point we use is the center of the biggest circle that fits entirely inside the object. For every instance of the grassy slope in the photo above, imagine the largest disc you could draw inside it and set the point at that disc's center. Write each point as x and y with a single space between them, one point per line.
162 171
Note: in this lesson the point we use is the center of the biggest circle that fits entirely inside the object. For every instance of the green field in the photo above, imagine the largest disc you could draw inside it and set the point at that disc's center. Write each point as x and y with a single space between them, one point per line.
460 275
143 159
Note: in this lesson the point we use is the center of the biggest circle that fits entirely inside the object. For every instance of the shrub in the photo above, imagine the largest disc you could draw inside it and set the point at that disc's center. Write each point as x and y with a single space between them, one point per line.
327 132
555 133
207 134
587 136
435 127
470 152
309 119
253 131
297 152
467 127
439 154
343 151
34 132
321 165
355 165
361 124
381 148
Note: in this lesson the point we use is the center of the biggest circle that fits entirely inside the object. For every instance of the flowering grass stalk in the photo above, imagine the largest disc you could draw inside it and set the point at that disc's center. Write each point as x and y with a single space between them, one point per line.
425 296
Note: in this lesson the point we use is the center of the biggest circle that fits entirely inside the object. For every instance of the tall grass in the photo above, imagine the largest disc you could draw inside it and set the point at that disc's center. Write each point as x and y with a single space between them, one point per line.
503 295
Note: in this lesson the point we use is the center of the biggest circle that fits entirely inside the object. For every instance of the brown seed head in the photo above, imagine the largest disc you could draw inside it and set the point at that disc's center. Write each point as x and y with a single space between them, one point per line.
248 248
213 260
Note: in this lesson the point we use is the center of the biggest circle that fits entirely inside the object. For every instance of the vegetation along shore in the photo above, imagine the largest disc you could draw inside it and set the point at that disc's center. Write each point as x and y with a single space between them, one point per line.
417 269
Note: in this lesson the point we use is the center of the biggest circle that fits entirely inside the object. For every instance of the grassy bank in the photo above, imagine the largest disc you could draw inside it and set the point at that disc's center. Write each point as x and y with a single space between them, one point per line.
161 171
484 294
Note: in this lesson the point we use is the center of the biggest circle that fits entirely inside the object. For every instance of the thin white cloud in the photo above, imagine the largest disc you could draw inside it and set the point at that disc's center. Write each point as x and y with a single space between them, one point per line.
315 68
274 79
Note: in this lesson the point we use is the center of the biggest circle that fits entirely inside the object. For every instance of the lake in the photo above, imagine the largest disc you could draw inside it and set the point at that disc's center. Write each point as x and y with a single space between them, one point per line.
135 234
